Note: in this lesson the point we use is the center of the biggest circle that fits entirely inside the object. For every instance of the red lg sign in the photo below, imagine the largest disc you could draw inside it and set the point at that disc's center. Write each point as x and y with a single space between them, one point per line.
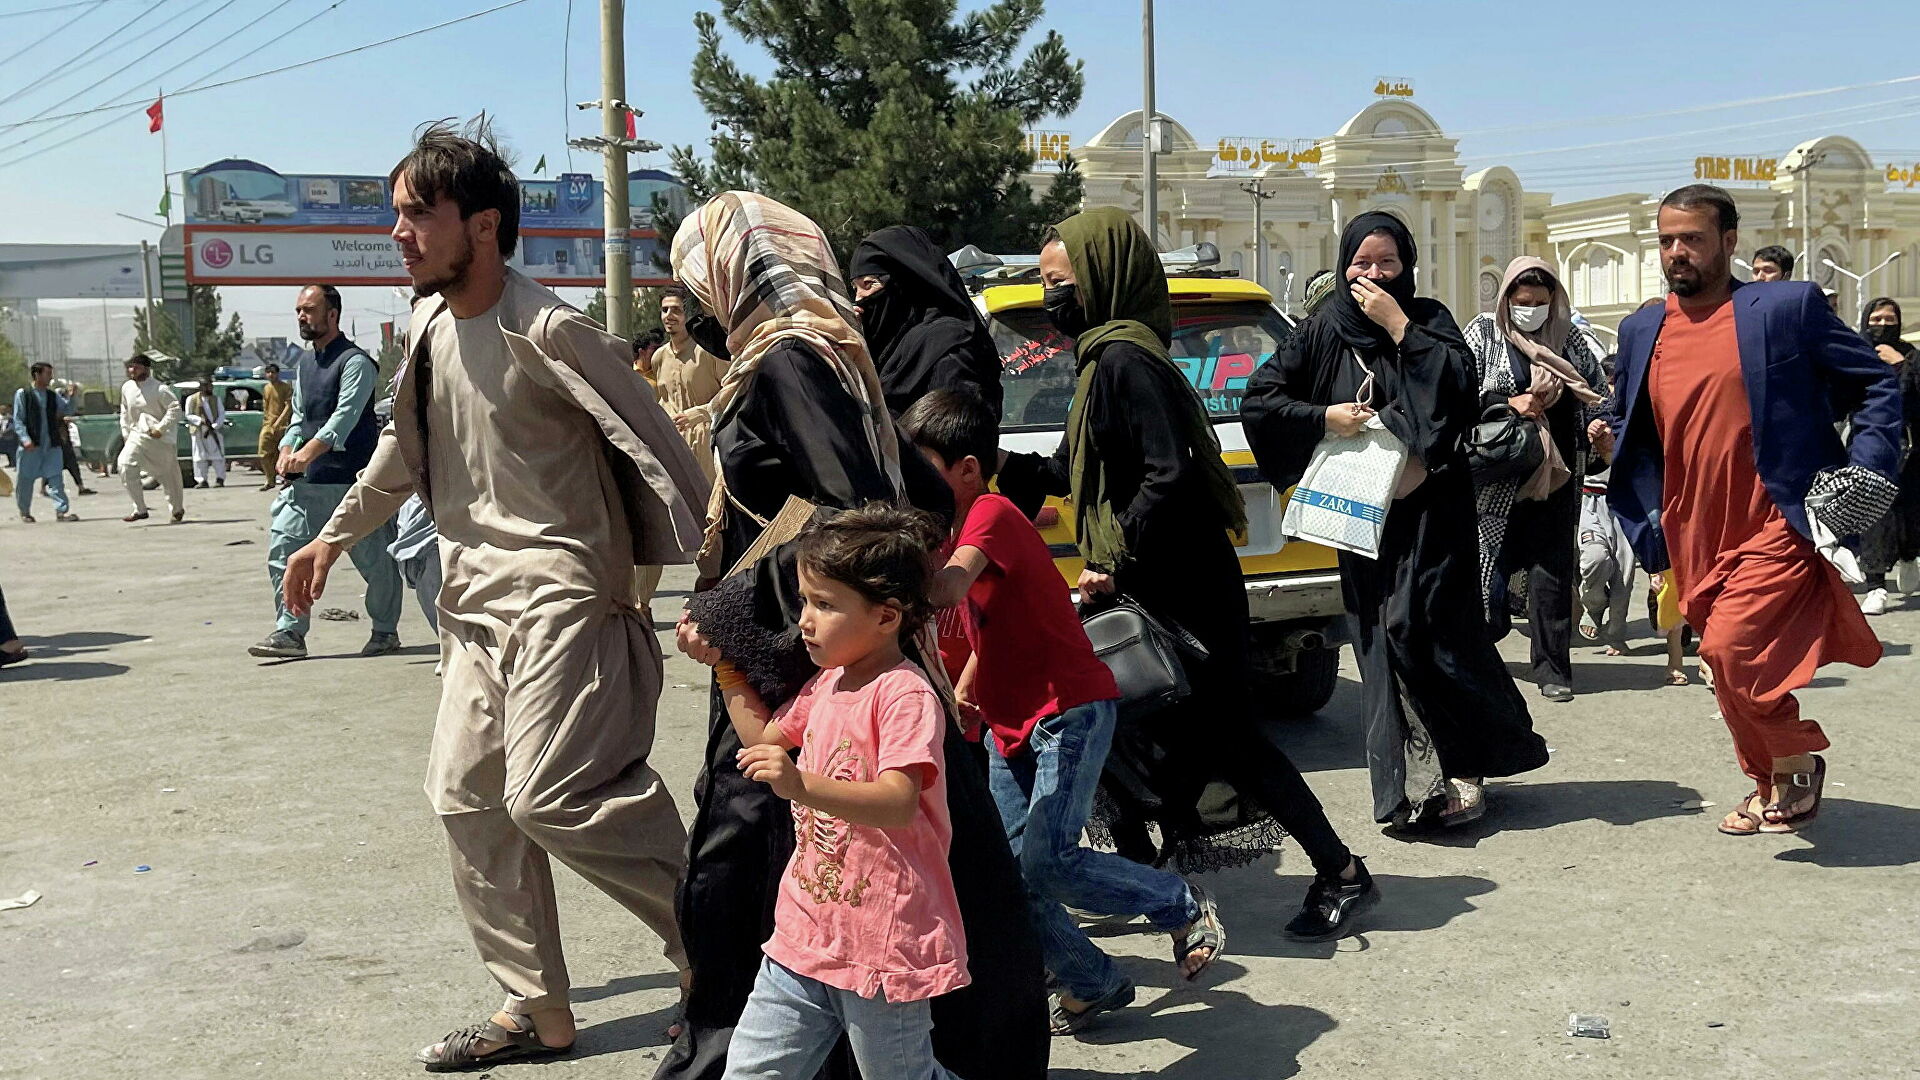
216 254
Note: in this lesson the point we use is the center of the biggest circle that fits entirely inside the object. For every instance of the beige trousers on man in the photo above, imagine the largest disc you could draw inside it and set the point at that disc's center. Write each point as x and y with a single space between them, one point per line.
154 457
541 750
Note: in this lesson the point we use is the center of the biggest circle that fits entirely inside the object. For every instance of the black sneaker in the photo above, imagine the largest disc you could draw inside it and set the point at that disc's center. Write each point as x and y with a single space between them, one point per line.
1332 904
281 644
380 644
1556 692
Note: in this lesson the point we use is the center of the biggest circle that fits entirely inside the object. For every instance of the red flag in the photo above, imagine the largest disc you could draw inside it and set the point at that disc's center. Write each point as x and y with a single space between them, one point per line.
631 133
156 113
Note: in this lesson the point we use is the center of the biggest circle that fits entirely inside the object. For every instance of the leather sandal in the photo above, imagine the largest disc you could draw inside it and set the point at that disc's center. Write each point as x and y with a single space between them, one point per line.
1791 788
1745 815
1065 1021
1206 932
455 1053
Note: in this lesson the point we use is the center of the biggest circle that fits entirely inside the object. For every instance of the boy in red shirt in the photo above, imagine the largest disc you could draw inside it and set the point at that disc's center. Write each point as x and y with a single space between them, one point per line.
1049 706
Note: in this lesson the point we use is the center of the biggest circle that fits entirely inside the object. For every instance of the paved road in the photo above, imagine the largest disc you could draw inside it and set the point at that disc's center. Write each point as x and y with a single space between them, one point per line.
296 920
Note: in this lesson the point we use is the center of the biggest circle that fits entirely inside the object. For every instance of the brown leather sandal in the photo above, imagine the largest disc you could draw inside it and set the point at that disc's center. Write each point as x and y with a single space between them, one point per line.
455 1053
1788 790
1747 816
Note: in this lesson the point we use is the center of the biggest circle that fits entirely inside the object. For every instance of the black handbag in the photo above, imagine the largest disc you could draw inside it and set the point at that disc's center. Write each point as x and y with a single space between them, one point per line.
1148 658
1503 446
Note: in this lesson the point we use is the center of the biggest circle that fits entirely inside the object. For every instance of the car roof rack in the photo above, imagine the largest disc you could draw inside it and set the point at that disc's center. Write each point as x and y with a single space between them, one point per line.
983 269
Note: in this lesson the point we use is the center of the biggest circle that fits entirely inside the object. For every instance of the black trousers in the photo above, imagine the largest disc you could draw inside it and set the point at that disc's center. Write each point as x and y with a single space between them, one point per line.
6 623
1543 538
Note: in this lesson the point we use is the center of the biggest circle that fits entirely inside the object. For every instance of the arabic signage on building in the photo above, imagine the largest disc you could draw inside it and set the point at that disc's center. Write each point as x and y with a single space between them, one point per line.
1735 169
1392 86
250 225
1234 154
1903 176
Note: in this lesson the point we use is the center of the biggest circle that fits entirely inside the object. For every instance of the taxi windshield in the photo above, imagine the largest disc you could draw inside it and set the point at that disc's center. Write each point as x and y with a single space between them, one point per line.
1216 345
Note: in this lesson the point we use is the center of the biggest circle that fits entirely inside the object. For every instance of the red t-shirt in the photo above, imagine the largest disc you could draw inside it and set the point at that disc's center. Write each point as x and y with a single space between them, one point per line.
1034 657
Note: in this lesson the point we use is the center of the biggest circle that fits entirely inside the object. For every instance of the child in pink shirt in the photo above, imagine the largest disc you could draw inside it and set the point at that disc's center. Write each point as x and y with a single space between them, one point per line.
866 925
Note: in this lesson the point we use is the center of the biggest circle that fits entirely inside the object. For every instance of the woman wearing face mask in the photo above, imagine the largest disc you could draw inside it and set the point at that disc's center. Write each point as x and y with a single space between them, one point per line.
1442 712
917 319
800 413
1528 354
1894 543
1155 505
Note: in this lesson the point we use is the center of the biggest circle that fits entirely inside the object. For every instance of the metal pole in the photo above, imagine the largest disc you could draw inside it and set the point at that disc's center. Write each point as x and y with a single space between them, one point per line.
619 218
1149 171
146 288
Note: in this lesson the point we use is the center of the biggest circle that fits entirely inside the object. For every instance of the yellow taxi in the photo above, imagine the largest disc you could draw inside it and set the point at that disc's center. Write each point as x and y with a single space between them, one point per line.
1224 328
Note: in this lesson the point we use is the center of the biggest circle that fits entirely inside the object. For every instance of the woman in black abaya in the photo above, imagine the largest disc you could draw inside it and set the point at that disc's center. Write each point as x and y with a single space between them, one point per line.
923 329
1442 712
800 414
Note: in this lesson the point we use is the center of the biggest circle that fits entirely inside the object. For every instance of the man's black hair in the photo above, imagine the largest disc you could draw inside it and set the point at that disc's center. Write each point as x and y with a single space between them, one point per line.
1778 256
38 367
1695 196
653 337
955 424
269 367
467 168
333 298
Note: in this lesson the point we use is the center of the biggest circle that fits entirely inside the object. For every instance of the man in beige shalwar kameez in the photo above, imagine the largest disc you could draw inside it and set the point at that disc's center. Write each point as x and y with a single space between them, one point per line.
550 473
685 376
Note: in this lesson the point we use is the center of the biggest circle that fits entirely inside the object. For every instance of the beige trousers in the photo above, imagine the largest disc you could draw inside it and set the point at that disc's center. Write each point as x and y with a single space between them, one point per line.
156 458
540 750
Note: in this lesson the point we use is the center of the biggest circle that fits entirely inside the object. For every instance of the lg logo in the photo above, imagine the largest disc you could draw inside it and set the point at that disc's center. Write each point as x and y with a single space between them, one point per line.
218 254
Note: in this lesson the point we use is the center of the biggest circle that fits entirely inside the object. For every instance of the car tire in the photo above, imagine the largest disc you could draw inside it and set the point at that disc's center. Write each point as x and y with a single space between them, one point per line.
1300 683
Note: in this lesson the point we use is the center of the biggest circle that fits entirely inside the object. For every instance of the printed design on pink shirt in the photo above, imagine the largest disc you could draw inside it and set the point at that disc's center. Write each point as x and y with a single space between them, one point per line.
819 863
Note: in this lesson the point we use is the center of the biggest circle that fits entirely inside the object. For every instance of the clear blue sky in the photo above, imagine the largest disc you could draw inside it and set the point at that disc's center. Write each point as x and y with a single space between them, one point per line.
1231 67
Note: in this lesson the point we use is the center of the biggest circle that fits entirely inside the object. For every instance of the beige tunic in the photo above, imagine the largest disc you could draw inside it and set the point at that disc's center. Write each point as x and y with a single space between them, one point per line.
688 385
547 478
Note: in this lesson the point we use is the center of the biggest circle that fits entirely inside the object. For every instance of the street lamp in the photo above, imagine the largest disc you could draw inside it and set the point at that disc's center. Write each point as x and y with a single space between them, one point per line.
1860 280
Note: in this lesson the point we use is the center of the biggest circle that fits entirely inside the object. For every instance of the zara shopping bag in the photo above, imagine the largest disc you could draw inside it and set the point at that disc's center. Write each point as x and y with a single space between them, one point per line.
1342 499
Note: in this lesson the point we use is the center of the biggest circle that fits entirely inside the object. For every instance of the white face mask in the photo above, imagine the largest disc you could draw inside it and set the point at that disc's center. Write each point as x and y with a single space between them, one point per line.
1528 319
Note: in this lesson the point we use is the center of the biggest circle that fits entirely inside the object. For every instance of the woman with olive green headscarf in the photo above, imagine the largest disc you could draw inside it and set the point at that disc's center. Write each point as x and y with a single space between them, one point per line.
1155 505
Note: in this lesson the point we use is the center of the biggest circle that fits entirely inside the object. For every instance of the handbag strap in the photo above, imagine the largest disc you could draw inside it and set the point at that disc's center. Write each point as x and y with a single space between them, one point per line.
1180 634
1364 395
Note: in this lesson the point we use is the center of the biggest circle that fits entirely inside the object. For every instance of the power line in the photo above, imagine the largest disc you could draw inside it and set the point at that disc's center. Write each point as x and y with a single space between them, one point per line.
127 108
82 54
87 9
51 7
108 77
257 20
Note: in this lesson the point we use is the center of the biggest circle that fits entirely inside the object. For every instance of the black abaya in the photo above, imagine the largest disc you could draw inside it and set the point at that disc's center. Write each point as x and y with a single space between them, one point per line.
796 432
1439 702
922 328
1182 568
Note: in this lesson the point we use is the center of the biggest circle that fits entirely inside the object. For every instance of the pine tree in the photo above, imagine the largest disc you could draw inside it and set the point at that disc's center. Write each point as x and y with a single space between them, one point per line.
883 112
212 346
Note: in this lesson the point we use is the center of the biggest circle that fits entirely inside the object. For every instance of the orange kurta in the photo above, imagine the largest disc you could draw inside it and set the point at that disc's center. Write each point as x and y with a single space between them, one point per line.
1769 609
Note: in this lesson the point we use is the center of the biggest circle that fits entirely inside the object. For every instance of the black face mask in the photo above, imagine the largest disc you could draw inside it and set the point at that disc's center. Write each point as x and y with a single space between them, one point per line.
1063 309
1883 335
706 332
882 319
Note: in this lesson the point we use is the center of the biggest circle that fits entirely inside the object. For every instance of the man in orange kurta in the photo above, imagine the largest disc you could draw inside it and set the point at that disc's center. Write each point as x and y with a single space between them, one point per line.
1729 519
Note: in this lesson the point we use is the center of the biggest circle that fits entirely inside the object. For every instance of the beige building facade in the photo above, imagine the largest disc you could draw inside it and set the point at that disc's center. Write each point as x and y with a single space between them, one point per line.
1393 156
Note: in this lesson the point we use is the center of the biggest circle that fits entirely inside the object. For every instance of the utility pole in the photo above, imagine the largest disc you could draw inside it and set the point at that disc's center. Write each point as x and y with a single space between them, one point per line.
1257 188
1804 171
1149 132
613 127
146 287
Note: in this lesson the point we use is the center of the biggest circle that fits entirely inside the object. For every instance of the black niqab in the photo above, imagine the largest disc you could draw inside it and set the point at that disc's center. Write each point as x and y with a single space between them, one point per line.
921 327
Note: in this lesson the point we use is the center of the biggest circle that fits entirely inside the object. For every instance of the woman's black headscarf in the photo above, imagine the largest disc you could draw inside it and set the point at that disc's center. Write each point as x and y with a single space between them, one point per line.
921 328
1342 309
1900 324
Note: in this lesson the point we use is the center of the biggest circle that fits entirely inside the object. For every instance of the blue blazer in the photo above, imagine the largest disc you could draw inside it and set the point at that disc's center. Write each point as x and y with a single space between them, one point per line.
1796 356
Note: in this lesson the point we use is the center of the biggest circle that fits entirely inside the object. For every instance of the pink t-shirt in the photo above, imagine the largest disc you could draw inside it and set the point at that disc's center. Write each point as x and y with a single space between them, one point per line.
862 908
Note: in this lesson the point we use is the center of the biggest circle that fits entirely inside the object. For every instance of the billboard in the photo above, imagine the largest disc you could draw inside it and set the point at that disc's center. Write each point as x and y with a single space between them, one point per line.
250 225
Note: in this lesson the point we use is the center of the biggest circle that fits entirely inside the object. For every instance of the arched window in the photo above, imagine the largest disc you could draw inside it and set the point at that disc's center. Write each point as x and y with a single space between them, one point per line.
1602 270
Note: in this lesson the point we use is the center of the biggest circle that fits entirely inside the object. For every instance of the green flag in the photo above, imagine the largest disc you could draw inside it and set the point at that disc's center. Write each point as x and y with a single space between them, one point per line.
540 166
166 203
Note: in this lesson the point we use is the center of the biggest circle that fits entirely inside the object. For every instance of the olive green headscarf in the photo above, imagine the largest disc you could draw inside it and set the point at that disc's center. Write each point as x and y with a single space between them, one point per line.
1123 290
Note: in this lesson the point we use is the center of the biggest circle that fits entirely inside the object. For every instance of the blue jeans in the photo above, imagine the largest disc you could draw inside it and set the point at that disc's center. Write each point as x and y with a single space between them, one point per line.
1045 793
792 1022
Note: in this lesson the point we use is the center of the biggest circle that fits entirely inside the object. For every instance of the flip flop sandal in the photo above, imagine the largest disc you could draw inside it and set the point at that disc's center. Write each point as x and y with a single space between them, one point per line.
1206 932
1473 805
1745 815
1798 786
455 1053
1065 1021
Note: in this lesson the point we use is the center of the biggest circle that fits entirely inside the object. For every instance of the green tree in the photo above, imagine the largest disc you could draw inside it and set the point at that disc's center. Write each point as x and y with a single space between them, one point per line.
158 331
883 112
13 369
646 308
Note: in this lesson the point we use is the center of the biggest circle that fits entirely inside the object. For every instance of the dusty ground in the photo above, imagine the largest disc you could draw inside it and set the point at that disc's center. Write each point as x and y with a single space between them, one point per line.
297 922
